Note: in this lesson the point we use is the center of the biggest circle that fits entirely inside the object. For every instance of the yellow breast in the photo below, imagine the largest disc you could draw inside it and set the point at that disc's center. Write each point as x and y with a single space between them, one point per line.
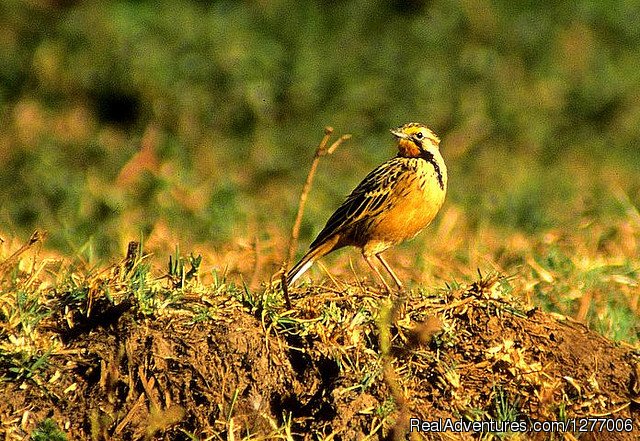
417 199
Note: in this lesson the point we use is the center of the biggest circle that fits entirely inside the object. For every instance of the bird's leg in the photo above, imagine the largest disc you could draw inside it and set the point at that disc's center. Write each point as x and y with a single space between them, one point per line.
390 271
399 302
377 271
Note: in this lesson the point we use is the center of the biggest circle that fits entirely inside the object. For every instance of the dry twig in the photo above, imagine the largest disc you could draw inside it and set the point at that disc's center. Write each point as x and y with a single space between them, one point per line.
321 151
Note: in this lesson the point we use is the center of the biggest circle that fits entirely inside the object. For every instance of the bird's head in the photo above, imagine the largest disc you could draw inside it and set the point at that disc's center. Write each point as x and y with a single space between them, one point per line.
414 139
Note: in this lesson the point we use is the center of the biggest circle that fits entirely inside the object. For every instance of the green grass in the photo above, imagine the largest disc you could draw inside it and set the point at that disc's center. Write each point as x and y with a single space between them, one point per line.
48 430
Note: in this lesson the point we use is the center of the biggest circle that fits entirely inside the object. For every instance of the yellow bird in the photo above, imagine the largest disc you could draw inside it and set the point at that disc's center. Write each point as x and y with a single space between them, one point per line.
393 203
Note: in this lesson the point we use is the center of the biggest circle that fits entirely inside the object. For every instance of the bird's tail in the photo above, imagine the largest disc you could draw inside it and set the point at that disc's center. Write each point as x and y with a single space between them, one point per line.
312 255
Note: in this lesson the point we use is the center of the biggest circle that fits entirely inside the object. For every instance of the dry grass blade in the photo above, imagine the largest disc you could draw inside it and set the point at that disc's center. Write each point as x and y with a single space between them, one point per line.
35 238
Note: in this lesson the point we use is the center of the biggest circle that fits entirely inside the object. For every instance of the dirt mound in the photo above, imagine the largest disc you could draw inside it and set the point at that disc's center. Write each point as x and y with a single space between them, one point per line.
221 364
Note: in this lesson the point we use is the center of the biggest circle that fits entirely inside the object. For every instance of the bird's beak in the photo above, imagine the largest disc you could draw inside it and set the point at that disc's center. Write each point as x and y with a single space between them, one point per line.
398 134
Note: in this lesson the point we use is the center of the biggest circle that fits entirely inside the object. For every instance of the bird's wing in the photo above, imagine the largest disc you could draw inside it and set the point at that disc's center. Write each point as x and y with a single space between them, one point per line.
368 199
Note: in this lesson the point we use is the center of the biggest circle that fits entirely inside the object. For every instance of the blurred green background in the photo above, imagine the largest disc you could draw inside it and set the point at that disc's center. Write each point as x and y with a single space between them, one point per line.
197 120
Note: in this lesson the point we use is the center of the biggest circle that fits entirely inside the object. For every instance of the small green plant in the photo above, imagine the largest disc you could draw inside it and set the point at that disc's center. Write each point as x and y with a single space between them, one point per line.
505 410
203 314
177 272
48 430
23 366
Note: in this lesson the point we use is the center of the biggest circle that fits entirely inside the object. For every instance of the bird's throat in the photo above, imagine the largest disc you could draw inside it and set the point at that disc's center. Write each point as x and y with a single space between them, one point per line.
408 149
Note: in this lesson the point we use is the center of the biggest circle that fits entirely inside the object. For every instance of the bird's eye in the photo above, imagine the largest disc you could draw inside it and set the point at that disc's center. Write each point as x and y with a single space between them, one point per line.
419 135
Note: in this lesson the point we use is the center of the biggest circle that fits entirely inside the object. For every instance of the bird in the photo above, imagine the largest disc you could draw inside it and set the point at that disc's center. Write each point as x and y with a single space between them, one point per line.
393 203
